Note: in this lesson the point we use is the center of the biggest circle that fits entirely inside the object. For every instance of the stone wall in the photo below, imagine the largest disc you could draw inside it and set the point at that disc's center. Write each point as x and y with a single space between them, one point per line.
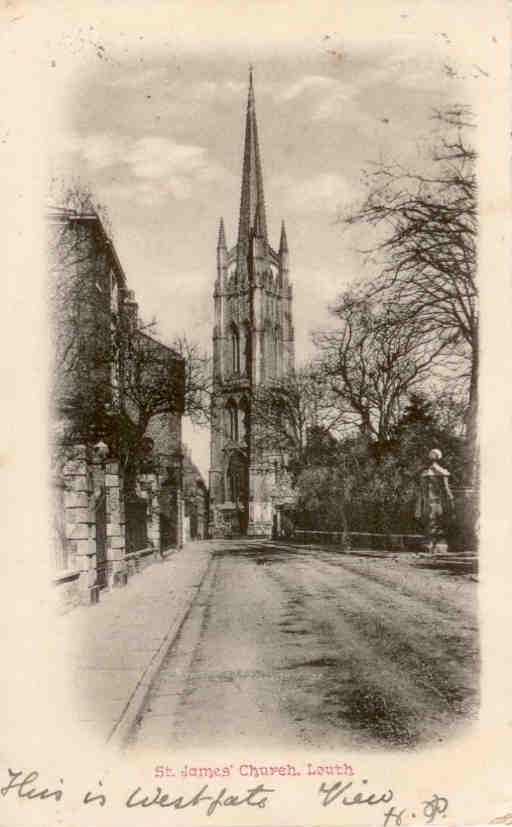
68 592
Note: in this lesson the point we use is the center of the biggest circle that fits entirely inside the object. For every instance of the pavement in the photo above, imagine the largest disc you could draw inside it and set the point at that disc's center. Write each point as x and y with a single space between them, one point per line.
456 562
238 639
116 648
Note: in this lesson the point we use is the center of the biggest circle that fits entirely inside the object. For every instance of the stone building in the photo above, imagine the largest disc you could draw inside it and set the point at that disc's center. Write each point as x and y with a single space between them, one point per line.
195 500
107 522
253 343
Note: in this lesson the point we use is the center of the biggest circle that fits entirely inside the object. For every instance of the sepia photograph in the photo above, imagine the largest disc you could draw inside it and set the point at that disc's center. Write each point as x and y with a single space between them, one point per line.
261 289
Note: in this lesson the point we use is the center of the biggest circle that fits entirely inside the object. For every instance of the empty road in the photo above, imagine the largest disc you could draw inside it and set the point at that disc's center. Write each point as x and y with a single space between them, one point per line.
315 649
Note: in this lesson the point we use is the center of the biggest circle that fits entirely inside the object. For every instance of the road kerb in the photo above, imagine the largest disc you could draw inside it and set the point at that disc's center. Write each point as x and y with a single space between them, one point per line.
123 727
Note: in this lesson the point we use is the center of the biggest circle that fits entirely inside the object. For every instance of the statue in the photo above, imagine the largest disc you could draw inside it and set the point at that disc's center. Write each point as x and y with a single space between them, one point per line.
434 506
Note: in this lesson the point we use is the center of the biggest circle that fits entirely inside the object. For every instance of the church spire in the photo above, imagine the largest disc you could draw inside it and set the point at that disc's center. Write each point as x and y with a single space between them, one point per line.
283 243
252 202
283 256
222 235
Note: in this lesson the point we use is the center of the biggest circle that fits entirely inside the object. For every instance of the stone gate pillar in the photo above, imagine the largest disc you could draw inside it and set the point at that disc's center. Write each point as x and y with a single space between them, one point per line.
116 534
79 521
180 507
153 509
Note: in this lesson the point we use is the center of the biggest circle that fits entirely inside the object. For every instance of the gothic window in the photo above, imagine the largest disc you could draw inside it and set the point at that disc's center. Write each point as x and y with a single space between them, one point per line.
244 420
233 485
278 367
263 355
247 349
268 350
235 349
236 479
232 420
234 423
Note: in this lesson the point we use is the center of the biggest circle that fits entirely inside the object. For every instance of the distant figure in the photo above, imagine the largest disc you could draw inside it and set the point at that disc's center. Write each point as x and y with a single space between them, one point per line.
435 500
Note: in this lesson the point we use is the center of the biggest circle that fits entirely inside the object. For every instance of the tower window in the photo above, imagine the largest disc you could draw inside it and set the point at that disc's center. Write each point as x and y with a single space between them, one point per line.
234 486
244 421
233 421
278 346
247 349
235 349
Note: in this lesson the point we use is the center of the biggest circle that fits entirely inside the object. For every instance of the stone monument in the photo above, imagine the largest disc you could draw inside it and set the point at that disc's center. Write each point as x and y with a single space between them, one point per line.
435 505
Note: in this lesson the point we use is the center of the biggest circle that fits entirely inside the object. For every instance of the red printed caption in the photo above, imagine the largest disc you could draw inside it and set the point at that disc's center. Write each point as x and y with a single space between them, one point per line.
251 770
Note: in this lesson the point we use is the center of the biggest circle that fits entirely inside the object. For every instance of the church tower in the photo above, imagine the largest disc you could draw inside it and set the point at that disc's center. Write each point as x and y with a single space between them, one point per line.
252 345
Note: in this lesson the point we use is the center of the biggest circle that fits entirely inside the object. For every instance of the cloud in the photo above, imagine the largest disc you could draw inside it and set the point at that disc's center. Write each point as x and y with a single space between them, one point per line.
183 91
326 95
102 151
320 193
157 157
140 77
157 167
166 167
308 83
343 98
214 90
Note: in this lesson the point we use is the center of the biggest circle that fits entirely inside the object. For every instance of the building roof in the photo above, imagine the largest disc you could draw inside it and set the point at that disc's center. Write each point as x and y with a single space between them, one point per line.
58 214
177 356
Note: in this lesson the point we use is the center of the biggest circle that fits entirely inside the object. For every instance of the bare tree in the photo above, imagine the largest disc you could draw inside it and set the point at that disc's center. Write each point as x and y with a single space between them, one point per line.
111 377
369 364
79 315
157 381
426 240
284 413
198 380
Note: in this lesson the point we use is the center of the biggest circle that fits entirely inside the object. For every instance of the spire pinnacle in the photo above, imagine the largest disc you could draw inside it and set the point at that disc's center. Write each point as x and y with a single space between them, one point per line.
252 200
222 235
283 243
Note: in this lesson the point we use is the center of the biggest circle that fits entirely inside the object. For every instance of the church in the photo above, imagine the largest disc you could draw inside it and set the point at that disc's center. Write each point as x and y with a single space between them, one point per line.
253 344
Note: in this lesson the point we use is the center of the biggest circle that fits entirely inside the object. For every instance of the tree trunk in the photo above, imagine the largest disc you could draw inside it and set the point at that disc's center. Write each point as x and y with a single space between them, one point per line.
471 469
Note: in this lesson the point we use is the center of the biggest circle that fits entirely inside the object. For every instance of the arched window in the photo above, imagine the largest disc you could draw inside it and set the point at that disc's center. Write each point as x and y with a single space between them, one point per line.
235 349
236 479
234 423
263 360
244 420
247 352
232 420
267 351
278 365
233 485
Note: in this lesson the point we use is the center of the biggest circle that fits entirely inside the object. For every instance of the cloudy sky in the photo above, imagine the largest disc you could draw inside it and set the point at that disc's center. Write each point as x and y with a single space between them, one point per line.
157 136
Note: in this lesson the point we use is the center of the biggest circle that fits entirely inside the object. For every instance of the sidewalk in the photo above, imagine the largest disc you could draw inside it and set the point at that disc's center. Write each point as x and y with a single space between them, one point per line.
116 647
456 562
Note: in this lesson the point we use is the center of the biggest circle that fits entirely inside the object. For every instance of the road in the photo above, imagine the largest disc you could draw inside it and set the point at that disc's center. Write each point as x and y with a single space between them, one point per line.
316 649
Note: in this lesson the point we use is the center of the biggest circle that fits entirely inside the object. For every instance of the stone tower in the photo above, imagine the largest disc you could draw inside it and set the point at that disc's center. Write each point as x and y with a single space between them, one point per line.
252 344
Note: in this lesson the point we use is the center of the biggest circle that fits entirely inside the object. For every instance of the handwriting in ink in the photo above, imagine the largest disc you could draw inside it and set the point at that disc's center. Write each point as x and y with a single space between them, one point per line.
22 783
436 806
255 797
99 798
336 790
394 817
